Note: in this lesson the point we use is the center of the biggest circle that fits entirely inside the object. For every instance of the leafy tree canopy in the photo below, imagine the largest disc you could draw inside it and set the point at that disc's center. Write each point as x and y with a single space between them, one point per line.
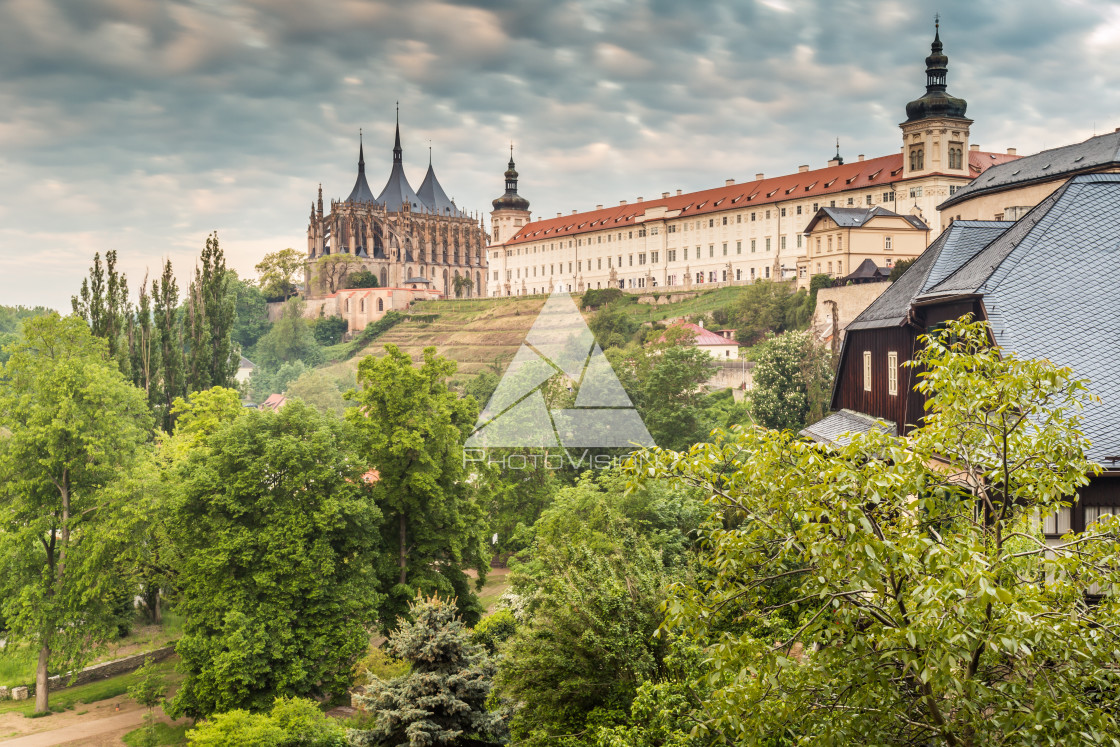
792 381
927 607
278 271
277 537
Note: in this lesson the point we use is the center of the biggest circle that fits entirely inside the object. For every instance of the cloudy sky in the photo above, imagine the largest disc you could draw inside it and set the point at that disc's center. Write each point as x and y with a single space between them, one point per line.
142 125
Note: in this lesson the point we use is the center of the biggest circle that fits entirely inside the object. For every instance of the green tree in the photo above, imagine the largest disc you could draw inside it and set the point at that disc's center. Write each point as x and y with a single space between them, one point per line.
276 538
11 321
210 317
148 691
72 430
103 303
900 267
443 698
792 381
318 390
665 382
168 337
143 348
328 330
289 340
929 610
250 313
362 278
278 271
612 326
769 307
413 428
461 284
332 270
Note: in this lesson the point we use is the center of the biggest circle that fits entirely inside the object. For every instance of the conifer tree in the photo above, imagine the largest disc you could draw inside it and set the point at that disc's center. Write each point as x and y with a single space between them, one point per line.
443 698
143 344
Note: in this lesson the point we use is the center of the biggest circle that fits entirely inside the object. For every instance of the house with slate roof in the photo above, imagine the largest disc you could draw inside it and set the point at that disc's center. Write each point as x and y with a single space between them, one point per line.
1008 191
839 240
1019 277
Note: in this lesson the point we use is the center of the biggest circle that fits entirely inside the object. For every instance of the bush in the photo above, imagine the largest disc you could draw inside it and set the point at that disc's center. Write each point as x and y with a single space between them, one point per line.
328 330
495 629
380 665
362 279
594 298
293 722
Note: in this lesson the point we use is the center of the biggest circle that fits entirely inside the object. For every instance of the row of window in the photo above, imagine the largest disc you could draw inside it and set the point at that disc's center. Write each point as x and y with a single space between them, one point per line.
362 304
892 372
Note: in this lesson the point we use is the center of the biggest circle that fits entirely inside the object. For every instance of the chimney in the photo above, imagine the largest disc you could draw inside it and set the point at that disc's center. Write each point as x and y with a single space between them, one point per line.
859 157
803 168
759 177
598 207
678 192
574 212
701 324
558 215
834 162
622 202
639 199
974 147
664 195
1011 151
728 182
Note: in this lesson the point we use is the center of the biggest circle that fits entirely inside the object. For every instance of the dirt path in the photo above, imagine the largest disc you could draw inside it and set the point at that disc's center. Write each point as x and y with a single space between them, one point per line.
98 725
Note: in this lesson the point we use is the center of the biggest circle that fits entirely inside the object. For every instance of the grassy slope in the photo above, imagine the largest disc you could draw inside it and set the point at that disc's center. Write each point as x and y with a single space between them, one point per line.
479 332
64 699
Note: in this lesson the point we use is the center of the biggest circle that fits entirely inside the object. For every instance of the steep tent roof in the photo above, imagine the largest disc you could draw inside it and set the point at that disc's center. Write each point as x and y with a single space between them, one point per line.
956 245
434 197
361 191
867 270
397 190
1094 154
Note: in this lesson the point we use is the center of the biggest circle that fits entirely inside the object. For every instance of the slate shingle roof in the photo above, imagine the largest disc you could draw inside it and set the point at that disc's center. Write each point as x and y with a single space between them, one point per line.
1050 287
838 427
1094 154
957 244
853 217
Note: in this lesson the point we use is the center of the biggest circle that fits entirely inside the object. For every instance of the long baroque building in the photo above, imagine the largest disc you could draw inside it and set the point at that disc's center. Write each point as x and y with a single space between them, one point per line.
405 237
739 233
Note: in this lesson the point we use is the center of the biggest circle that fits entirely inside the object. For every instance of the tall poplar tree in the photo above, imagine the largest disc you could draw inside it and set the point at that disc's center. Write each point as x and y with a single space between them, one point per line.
210 317
169 341
143 345
73 428
103 303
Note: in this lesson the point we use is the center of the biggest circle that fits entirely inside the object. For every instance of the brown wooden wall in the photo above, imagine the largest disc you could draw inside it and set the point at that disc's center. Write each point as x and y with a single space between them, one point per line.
877 402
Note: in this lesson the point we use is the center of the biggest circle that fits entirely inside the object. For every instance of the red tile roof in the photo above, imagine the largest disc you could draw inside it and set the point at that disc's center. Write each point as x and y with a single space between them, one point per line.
704 336
875 173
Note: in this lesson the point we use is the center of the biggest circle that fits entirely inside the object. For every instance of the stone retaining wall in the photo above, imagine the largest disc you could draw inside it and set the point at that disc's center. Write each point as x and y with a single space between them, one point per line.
94 673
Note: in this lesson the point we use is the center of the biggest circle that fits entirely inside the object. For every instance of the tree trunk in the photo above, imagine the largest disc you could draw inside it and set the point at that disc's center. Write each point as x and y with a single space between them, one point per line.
41 693
404 550
157 610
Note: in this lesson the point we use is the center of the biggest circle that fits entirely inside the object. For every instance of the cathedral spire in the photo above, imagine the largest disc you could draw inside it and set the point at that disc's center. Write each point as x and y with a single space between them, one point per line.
397 152
320 203
361 153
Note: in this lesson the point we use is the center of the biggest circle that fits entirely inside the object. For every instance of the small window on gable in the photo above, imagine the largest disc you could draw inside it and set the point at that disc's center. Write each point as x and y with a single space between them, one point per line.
892 373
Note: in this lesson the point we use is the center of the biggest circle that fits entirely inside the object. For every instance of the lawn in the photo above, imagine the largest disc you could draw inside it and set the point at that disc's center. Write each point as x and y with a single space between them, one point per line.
67 698
17 667
166 735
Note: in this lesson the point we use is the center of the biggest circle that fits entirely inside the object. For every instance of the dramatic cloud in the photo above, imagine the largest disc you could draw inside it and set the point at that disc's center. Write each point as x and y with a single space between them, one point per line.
142 126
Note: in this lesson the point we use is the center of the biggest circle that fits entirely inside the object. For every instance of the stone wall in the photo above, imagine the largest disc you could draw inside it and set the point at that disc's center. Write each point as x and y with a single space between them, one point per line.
93 673
846 302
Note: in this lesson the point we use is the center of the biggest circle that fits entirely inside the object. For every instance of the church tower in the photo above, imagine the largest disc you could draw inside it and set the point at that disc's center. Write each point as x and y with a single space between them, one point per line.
935 133
511 210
